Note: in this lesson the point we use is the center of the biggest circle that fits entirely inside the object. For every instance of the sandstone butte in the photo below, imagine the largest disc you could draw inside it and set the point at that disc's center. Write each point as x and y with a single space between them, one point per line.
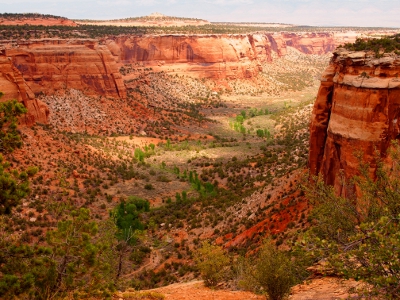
28 68
357 110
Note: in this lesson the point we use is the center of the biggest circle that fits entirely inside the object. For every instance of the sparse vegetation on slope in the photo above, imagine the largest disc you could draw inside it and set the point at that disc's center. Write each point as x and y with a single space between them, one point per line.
28 16
168 144
18 32
379 46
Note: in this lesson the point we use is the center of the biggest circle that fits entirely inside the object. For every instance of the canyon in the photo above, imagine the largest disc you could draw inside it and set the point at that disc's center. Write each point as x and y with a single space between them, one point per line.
93 65
356 112
215 56
211 131
43 66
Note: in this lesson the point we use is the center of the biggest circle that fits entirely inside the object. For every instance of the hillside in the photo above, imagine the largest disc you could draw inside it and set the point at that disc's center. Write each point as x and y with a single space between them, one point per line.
154 19
34 19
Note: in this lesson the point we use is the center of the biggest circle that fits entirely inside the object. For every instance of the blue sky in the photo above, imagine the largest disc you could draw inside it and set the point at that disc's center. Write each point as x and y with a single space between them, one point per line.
305 12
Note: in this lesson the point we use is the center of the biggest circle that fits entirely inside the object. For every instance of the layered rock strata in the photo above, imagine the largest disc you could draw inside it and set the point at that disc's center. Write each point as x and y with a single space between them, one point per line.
32 67
214 56
50 65
357 110
13 85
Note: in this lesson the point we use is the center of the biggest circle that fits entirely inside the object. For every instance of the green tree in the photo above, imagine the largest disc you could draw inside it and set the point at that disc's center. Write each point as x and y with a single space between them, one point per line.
126 218
77 256
212 263
139 154
9 135
77 262
14 185
360 238
272 272
26 271
240 119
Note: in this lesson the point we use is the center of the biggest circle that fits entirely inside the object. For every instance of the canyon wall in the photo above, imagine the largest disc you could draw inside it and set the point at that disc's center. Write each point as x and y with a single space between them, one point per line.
50 65
214 56
30 68
46 66
92 65
357 110
13 85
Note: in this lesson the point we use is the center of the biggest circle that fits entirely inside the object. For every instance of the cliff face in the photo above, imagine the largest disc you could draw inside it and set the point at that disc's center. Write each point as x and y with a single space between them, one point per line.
49 65
44 66
357 110
214 56
32 67
92 66
312 43
13 85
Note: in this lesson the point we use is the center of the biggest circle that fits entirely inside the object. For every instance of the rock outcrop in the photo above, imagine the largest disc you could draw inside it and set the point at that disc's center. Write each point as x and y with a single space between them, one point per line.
34 67
312 43
357 110
13 85
50 65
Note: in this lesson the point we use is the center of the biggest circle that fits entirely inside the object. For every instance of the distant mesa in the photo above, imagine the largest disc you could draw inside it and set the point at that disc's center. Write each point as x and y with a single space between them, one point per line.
154 19
34 19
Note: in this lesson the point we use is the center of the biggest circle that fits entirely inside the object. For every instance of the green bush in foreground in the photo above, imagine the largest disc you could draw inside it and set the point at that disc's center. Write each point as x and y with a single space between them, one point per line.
77 262
272 272
9 135
360 238
14 185
212 263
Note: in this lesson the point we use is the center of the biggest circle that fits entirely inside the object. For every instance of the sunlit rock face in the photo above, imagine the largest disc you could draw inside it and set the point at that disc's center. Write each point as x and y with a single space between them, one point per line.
357 110
50 65
13 85
44 66
214 56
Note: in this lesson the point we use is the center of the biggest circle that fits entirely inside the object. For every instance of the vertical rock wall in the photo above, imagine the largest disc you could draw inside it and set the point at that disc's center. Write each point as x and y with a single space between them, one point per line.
357 110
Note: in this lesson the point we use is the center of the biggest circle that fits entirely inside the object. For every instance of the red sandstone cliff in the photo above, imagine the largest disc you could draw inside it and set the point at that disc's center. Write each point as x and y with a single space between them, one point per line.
357 109
45 66
50 65
13 85
214 56
312 43
92 66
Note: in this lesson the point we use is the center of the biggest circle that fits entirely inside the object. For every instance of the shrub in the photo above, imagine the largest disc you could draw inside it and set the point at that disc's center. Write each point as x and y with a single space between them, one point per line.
359 238
148 186
272 272
212 262
135 295
9 135
385 45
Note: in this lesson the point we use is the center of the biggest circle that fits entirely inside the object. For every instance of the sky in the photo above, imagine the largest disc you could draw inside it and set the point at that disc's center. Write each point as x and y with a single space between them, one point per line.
371 13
